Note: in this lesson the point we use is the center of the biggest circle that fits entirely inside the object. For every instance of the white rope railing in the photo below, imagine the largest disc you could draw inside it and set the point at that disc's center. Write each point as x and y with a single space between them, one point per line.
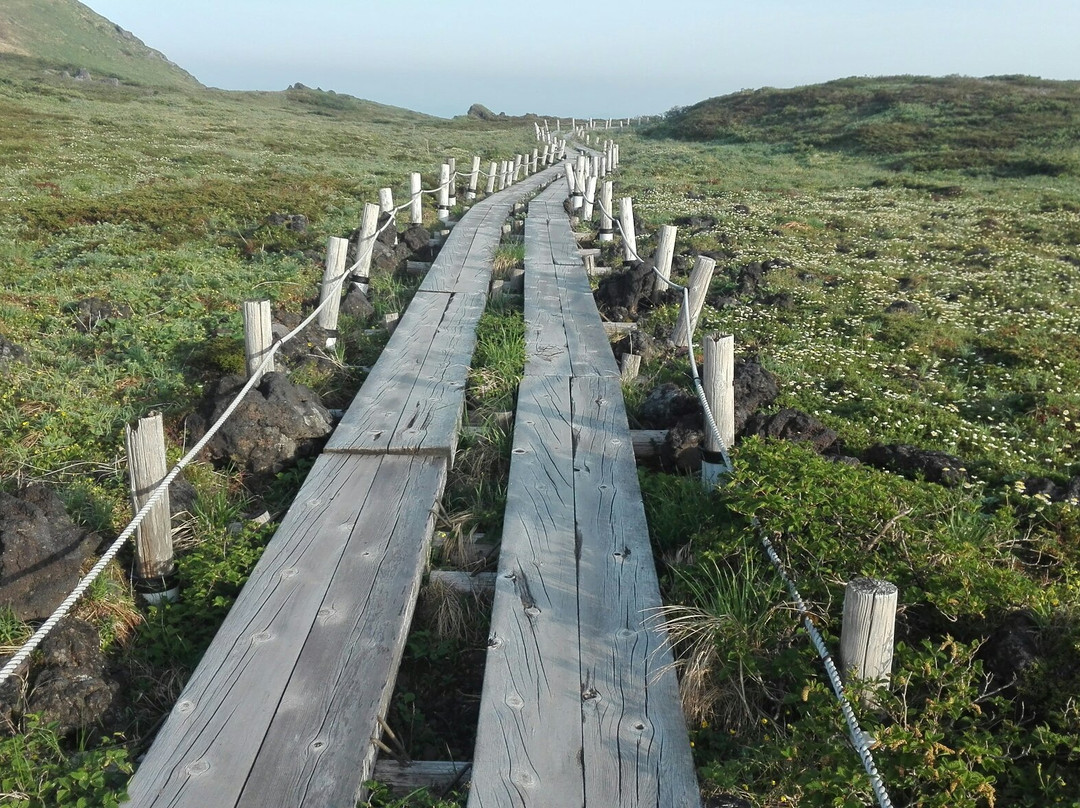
23 653
699 388
858 737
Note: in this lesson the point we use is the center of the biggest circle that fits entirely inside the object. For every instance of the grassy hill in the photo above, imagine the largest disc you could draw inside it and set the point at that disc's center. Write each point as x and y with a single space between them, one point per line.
1005 125
66 35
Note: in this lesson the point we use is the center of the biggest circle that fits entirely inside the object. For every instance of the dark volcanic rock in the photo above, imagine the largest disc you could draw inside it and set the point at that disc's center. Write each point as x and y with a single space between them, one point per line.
619 294
10 352
750 279
755 387
416 238
1036 486
792 425
666 405
356 304
638 343
781 300
903 307
911 461
725 801
276 423
71 686
481 112
297 222
1012 647
681 451
388 259
695 224
90 311
182 498
387 233
41 552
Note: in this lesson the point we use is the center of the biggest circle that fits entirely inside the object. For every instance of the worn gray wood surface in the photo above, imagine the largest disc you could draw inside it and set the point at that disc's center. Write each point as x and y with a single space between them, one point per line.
205 751
546 348
316 750
464 263
412 400
636 751
617 736
564 335
528 746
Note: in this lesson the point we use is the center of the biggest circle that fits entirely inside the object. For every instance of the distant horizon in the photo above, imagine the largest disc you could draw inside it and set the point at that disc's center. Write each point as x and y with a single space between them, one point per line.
603 62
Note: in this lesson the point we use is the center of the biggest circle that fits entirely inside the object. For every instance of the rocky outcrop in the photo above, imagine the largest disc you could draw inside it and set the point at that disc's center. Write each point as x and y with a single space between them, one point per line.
41 552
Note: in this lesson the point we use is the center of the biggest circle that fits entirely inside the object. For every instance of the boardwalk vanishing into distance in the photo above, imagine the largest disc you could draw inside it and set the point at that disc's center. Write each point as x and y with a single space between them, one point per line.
580 703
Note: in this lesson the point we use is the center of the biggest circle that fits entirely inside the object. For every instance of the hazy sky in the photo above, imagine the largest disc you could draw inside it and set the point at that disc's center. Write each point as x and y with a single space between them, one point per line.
601 58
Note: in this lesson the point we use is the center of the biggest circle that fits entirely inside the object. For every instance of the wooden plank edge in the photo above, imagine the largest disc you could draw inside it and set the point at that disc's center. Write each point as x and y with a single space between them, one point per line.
438 775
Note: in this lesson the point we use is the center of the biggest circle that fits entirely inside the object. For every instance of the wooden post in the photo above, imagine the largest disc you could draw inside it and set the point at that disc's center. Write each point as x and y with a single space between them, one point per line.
626 223
571 181
502 175
630 367
665 254
452 191
867 633
544 155
155 567
337 250
474 178
365 244
534 163
386 200
577 196
444 192
589 200
416 211
718 379
491 180
386 210
607 225
700 278
258 336
518 159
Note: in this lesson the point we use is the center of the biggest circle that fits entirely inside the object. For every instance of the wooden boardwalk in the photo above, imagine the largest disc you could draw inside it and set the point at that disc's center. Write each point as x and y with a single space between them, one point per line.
580 704
282 709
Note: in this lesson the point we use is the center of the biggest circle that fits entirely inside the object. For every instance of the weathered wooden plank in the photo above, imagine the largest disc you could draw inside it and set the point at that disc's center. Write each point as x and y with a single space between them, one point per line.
449 273
636 750
413 398
546 351
316 750
465 583
404 778
203 753
588 344
560 238
528 746
443 275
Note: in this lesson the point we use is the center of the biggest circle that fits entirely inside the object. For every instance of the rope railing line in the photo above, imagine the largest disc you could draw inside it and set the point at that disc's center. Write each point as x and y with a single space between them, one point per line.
156 495
858 737
699 389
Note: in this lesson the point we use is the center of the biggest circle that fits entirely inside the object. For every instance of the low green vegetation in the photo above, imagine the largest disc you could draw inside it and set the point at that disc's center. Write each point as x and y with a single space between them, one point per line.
134 220
958 199
910 301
